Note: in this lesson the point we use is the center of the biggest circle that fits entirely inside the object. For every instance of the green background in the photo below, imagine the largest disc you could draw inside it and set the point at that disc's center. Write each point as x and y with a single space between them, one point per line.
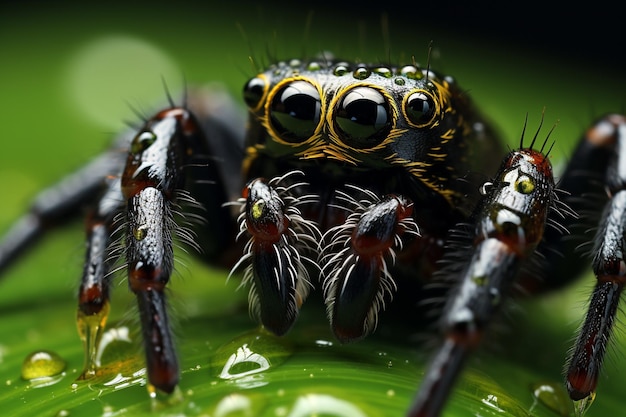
68 73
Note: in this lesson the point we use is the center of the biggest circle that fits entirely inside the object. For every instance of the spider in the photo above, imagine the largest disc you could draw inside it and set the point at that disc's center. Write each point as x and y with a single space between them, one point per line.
371 184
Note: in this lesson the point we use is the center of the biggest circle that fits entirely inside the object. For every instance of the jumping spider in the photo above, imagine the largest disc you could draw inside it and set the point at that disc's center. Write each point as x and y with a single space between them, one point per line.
359 181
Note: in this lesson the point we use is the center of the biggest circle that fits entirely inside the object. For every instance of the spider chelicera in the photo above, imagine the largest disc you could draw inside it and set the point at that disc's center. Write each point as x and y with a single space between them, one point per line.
364 182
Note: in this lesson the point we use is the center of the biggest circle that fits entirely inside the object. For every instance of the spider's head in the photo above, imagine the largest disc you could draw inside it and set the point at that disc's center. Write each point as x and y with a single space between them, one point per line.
360 116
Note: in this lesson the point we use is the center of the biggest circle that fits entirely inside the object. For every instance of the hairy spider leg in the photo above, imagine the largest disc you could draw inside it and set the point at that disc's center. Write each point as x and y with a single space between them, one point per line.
280 245
508 228
150 183
357 258
604 149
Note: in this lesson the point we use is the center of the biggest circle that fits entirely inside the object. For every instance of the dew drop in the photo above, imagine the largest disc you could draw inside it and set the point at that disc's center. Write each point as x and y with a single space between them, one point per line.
383 72
43 368
411 72
245 359
553 396
341 70
314 66
42 364
90 329
361 73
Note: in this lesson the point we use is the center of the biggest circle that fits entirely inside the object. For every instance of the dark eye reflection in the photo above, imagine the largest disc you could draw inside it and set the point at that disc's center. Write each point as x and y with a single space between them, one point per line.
420 108
295 111
363 117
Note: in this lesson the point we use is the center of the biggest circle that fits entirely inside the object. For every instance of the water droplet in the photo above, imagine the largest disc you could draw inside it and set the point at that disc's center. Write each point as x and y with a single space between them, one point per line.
341 70
491 400
383 72
114 345
411 72
314 66
43 368
244 362
361 73
245 359
553 396
90 329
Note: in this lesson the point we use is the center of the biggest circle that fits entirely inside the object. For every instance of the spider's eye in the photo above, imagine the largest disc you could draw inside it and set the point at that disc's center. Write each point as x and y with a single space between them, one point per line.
524 185
254 91
142 141
363 117
419 108
295 111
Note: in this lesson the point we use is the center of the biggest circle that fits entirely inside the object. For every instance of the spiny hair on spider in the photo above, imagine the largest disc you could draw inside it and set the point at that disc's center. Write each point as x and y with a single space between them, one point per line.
281 243
355 257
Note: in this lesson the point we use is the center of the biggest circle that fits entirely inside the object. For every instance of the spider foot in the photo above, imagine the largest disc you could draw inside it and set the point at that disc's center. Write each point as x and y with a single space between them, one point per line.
161 401
581 406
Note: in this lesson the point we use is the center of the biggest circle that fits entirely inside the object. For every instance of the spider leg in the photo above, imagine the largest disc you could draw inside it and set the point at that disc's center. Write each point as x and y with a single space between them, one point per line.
150 184
93 294
357 281
606 142
508 227
280 243
58 203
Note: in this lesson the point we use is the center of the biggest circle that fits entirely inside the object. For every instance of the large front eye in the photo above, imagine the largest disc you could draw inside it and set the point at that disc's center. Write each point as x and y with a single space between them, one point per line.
419 108
295 111
363 117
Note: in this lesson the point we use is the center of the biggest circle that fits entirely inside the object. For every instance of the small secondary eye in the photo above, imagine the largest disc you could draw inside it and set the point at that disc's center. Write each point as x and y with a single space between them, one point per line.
295 111
419 108
363 117
142 141
525 184
254 91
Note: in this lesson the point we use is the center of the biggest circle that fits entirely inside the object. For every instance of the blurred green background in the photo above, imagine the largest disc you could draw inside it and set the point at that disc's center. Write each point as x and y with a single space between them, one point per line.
68 72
